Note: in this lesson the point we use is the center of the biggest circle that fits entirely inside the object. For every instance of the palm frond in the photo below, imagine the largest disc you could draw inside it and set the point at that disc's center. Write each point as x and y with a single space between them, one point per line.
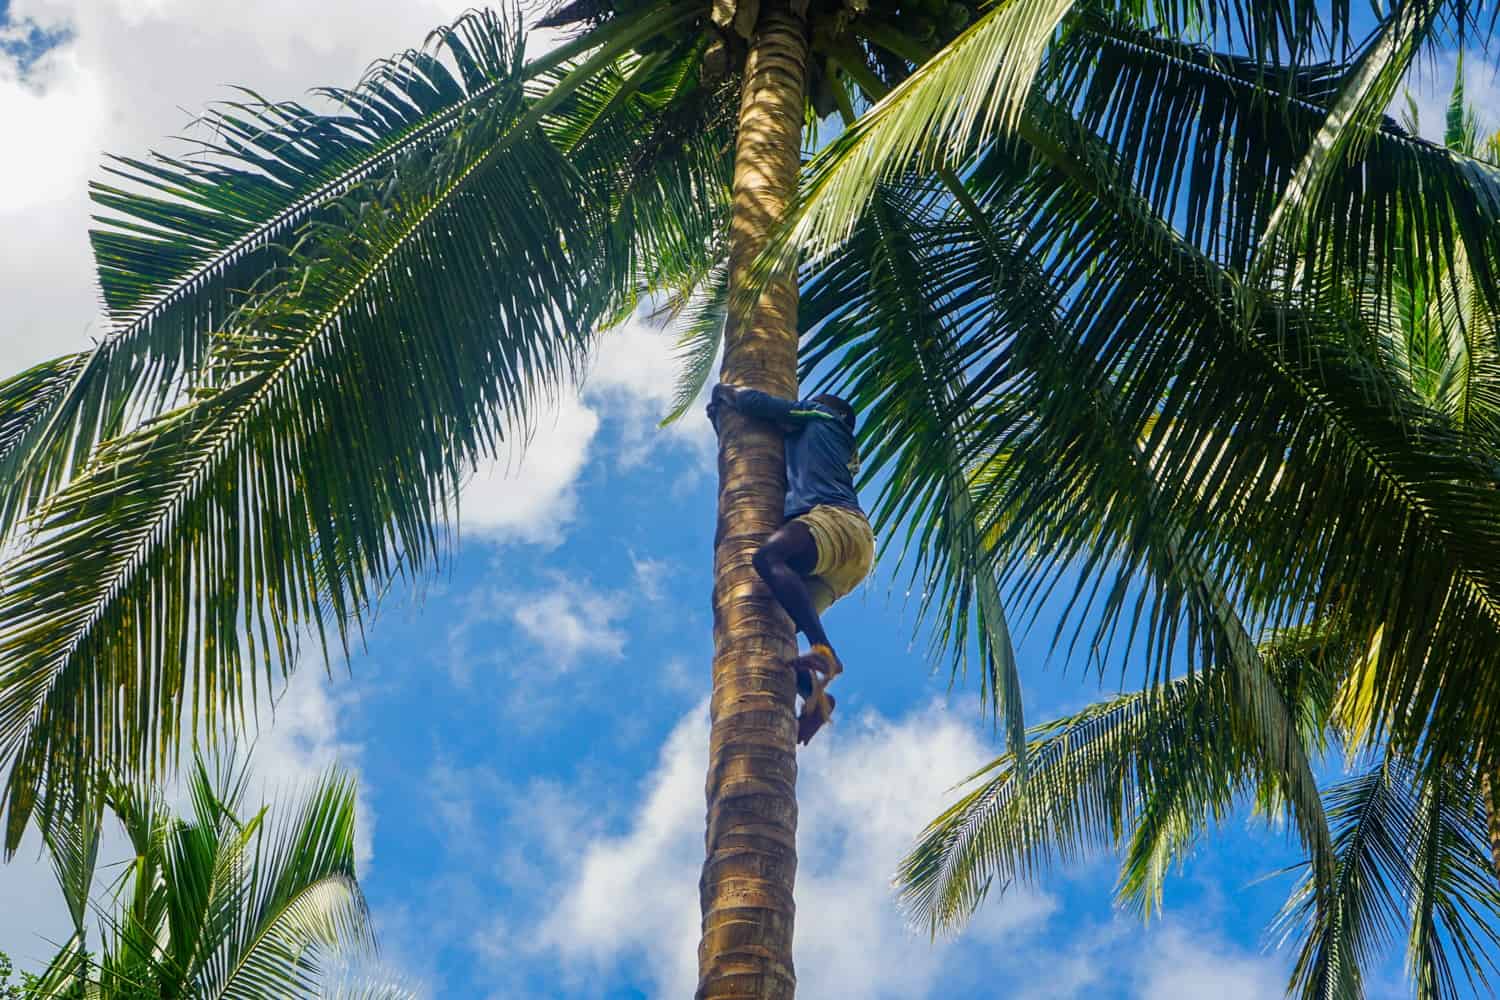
217 904
1090 779
206 518
409 329
183 239
898 363
1217 142
1212 139
1355 457
698 343
651 140
300 902
1453 921
1353 113
26 402
73 850
1460 123
1412 853
882 305
969 91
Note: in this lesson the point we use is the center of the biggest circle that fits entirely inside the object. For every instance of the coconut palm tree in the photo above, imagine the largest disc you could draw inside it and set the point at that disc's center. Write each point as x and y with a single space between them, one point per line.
1057 252
219 903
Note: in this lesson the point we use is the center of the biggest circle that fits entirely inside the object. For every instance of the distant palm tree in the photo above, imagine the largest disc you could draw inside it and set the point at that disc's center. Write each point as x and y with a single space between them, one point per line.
221 903
1088 282
1414 850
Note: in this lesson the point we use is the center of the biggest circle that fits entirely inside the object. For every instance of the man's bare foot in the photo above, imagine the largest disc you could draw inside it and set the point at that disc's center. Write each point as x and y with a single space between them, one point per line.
815 670
813 716
820 660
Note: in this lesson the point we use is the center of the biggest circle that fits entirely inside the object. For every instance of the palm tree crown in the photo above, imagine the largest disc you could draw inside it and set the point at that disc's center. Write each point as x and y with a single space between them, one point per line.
219 903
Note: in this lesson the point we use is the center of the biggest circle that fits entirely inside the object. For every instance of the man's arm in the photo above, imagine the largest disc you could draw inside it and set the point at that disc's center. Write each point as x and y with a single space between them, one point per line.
761 405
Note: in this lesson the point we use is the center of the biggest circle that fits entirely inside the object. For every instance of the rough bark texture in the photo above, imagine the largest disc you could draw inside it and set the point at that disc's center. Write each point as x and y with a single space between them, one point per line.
1488 789
746 888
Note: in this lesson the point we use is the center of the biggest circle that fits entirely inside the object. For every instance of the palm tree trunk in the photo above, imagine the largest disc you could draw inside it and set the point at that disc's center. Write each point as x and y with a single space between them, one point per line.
746 887
1489 790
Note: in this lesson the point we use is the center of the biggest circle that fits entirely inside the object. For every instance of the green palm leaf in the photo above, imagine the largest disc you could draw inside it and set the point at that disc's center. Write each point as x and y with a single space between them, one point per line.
410 328
1346 439
1412 852
701 336
1215 140
206 519
898 362
26 402
1353 113
215 905
874 305
1218 142
1150 772
1097 779
184 239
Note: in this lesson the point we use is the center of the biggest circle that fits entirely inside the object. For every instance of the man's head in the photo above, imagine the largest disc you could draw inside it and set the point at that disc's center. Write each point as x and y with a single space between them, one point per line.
839 406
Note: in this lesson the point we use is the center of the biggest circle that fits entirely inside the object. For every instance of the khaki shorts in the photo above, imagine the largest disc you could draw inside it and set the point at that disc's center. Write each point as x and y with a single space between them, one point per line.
846 550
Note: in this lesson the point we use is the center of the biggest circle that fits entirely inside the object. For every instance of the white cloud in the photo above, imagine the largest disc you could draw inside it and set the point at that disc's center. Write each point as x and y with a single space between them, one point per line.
864 792
571 620
634 377
1181 956
531 495
662 850
650 576
866 788
637 360
567 620
1430 83
130 74
1187 963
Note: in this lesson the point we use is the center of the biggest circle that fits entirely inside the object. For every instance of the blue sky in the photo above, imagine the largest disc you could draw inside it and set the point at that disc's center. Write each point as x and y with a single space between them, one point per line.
527 726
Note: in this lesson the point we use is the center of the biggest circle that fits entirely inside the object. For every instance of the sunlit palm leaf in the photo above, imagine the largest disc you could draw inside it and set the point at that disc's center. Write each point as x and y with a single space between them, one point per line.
1216 143
210 518
300 900
1413 855
652 142
974 88
1347 441
882 306
217 905
26 403
412 326
1097 779
1353 113
185 238
1214 140
875 310
701 336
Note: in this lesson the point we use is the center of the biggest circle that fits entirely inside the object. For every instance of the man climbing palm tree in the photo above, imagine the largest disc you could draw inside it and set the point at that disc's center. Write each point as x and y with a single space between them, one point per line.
824 547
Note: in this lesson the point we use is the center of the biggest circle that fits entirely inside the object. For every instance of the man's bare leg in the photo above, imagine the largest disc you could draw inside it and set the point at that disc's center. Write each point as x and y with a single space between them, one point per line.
784 562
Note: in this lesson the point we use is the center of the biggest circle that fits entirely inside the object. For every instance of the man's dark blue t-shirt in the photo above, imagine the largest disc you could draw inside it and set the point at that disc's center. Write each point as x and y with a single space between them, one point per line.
821 460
